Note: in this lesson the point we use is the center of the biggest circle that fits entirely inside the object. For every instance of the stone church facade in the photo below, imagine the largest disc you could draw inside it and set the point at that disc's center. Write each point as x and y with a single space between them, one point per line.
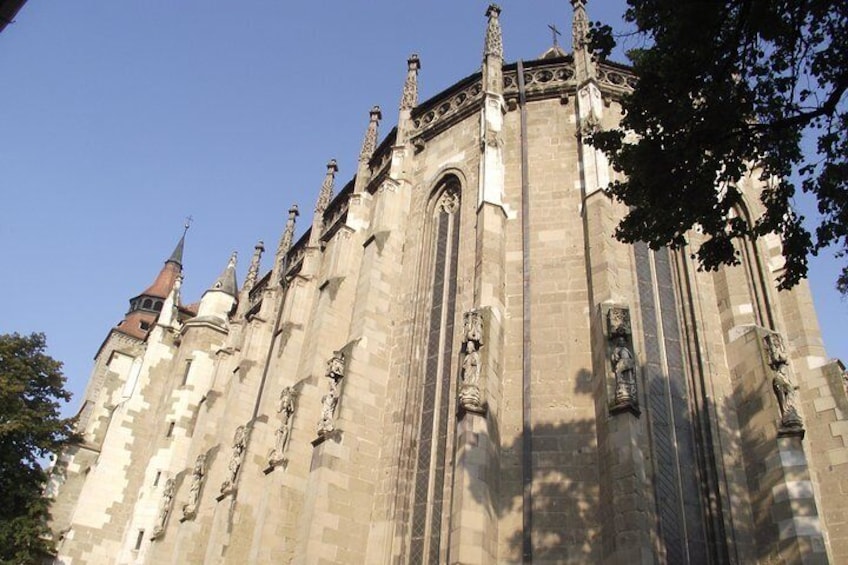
457 363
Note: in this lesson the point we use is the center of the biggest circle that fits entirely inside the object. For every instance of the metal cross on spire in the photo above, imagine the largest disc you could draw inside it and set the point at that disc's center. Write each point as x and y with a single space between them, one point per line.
555 32
189 219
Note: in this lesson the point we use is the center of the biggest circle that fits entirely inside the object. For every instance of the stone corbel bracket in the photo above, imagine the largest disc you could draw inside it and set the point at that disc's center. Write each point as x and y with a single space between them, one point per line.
621 359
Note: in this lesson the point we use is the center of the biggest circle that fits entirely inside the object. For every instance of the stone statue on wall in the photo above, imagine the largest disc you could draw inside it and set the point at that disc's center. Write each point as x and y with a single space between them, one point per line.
624 366
786 398
791 422
197 476
164 508
777 350
329 402
470 397
236 458
472 327
622 360
335 366
285 408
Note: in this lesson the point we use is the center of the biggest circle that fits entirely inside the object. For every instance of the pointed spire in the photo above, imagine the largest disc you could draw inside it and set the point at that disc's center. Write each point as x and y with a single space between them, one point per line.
227 281
177 254
326 194
369 144
583 63
494 39
253 270
409 99
285 245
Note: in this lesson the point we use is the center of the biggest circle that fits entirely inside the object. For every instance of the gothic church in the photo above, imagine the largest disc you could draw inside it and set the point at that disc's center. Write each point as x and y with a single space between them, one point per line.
457 363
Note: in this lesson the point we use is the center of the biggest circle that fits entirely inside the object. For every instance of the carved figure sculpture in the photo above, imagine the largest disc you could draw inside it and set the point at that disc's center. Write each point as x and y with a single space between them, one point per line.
777 350
471 365
470 397
190 509
328 408
784 389
335 373
335 366
285 408
623 364
239 445
164 508
472 323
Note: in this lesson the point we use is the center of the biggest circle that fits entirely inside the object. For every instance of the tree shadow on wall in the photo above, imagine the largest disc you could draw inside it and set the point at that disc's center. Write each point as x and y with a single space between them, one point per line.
564 487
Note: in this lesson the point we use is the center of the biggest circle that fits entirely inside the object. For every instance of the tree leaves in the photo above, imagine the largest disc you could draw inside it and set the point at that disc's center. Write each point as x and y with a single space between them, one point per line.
31 386
728 90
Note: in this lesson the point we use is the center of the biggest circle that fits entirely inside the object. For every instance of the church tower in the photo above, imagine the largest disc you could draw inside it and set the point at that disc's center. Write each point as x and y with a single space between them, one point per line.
456 362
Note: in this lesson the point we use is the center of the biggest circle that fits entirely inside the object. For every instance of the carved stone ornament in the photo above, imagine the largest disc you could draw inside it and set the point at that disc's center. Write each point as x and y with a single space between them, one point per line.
329 402
470 396
580 25
197 476
791 422
285 408
787 400
472 327
409 99
164 509
369 143
618 321
494 38
776 348
336 366
624 367
236 459
625 396
449 201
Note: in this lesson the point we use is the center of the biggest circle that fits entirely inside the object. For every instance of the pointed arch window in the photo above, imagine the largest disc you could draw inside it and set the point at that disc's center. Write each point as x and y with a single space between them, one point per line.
429 495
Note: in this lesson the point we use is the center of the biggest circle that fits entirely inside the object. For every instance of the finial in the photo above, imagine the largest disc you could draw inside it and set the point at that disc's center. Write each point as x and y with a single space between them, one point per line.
584 66
288 233
233 259
409 99
285 245
369 144
580 25
494 39
189 219
326 193
253 270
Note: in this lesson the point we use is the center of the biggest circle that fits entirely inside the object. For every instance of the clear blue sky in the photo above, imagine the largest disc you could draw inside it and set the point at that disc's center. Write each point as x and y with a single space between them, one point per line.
121 118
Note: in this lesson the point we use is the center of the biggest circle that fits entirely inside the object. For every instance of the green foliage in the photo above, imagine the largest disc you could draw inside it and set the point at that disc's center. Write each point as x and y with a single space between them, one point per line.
31 384
726 89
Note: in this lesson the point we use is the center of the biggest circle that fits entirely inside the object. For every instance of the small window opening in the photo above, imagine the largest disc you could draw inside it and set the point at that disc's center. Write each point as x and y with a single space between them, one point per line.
156 478
170 430
139 539
147 304
144 326
185 371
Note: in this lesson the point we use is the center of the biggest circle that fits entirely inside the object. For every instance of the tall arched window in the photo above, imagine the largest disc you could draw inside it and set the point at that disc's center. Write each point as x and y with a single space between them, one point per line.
429 498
